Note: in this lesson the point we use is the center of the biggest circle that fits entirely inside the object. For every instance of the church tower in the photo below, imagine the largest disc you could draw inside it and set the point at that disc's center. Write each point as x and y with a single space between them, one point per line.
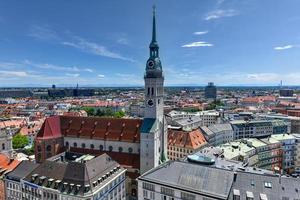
154 129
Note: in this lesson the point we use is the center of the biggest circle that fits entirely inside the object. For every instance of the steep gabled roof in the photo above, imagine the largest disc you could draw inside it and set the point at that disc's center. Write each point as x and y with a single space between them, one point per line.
186 139
51 128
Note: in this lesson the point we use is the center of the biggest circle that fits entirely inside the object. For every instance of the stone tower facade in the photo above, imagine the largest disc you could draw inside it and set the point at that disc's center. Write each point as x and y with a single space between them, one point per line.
154 129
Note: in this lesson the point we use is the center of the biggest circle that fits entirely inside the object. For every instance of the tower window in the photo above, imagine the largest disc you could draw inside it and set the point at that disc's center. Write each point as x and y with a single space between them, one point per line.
148 91
48 148
120 149
75 144
110 148
158 101
152 91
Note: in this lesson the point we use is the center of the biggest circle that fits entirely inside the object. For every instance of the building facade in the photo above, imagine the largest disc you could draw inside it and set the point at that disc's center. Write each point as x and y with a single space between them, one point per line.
210 91
182 143
192 181
288 143
252 128
218 133
14 179
71 176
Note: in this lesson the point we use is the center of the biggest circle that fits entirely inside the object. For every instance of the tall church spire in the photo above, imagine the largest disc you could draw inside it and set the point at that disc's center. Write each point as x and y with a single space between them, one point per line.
154 45
153 139
153 27
153 66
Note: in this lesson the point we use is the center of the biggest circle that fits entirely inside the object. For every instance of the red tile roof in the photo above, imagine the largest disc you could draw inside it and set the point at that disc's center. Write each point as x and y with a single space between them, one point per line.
7 164
92 127
185 139
51 128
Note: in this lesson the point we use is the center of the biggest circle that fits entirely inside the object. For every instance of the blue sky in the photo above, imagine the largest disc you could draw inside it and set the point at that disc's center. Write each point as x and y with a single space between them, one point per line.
105 43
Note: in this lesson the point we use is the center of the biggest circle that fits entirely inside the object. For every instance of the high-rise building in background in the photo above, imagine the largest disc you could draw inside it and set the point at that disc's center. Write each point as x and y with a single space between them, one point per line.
286 92
210 91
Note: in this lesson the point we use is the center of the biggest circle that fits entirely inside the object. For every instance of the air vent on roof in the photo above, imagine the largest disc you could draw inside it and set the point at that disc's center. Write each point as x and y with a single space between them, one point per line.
263 197
71 186
33 177
42 178
249 195
87 188
56 184
95 183
64 186
50 181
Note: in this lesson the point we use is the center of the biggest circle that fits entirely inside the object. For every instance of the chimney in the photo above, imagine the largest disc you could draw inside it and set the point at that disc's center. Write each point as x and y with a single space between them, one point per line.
234 176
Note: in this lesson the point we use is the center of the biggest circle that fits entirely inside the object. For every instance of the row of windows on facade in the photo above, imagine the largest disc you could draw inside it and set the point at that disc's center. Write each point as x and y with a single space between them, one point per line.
101 147
48 148
176 149
47 195
165 192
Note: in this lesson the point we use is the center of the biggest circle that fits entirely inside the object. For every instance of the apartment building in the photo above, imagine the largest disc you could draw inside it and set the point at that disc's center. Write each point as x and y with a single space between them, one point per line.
182 143
217 134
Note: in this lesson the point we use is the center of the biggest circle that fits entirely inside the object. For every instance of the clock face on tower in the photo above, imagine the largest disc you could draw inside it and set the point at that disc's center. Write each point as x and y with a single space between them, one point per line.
150 64
150 102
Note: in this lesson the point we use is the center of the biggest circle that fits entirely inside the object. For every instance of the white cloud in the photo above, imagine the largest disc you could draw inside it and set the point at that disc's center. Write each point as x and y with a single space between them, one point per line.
88 70
123 41
9 65
94 48
72 75
56 67
14 73
283 47
200 33
219 13
101 76
42 33
198 44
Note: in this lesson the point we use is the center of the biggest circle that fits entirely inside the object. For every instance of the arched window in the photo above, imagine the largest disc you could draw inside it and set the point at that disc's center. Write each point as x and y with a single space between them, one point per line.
133 192
130 150
39 148
67 144
48 148
148 91
101 147
110 148
152 91
83 145
75 144
3 146
120 149
92 146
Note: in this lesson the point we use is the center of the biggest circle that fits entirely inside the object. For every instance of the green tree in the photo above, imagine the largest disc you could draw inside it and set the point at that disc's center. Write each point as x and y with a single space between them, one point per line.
19 141
119 114
89 110
109 112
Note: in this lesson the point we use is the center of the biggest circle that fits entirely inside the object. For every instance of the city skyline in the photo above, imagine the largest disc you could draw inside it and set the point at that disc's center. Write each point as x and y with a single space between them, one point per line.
106 43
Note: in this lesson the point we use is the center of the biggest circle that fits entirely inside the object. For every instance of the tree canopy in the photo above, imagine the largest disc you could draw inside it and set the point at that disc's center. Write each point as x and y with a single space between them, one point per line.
19 141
